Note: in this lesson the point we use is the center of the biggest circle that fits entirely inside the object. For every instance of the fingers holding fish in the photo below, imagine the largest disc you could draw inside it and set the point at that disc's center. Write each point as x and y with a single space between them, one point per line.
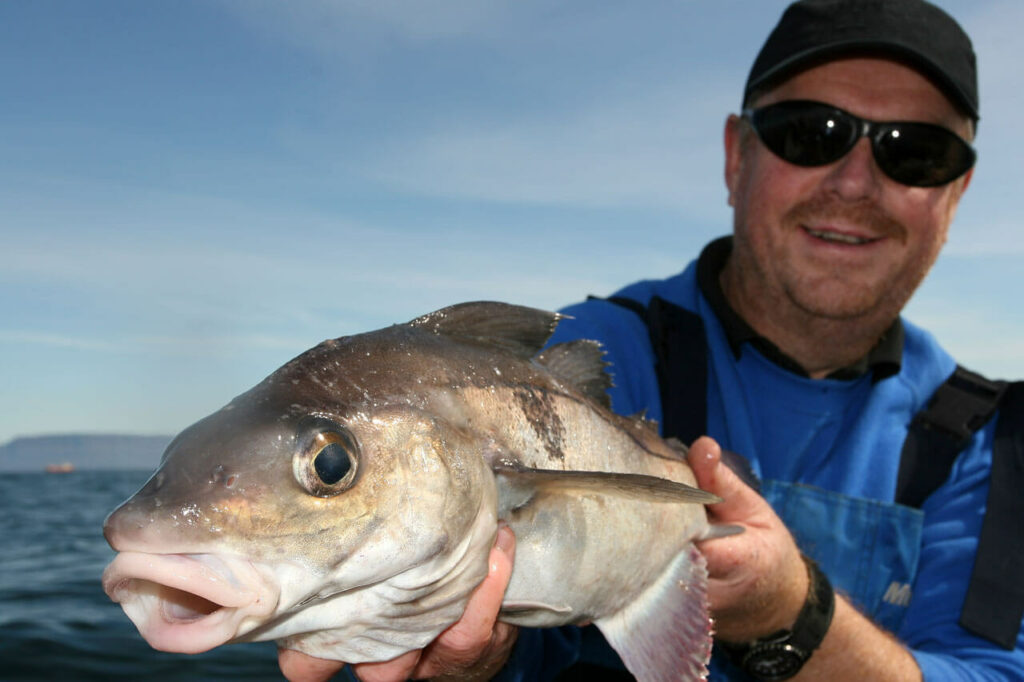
740 501
757 581
395 670
704 457
475 646
299 667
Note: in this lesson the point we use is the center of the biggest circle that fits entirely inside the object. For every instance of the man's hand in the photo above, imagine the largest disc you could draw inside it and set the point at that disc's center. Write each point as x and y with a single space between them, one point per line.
758 582
475 647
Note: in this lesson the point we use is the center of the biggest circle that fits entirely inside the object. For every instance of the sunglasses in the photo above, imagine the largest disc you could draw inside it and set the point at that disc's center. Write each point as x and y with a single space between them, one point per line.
807 133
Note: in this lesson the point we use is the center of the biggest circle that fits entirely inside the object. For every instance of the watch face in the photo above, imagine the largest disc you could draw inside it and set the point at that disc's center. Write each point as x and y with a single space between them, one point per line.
774 662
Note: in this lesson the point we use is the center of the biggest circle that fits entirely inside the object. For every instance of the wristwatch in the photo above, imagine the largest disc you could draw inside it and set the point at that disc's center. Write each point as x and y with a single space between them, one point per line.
780 655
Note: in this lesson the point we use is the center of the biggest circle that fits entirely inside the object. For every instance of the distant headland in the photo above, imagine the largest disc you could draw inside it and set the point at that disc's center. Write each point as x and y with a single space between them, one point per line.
79 451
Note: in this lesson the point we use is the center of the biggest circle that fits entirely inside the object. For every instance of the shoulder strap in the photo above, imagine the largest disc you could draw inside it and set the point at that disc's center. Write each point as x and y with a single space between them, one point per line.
995 597
958 408
961 406
624 302
680 350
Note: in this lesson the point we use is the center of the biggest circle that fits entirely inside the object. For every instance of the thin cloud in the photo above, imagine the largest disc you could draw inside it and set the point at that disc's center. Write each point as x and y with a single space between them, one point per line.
76 342
149 344
648 149
356 28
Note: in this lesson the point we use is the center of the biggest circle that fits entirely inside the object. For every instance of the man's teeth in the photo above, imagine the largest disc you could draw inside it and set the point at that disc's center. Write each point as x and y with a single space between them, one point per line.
838 237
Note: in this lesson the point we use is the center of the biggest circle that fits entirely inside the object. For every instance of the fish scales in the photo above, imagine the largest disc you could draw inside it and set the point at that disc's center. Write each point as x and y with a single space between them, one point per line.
346 505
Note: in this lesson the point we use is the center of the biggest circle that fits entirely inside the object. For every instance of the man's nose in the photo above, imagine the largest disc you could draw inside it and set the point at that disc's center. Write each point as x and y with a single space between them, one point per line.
856 175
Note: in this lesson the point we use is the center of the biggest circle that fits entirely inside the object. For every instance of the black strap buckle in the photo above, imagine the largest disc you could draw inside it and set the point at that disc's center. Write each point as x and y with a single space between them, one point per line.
962 405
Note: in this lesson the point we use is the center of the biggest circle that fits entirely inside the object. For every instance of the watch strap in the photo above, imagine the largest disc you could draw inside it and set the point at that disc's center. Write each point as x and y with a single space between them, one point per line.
782 654
816 615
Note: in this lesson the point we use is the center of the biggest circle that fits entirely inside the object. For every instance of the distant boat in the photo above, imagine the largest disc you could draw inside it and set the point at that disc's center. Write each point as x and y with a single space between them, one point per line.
62 468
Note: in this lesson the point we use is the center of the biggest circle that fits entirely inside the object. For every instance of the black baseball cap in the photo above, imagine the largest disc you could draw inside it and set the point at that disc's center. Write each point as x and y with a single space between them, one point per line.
916 32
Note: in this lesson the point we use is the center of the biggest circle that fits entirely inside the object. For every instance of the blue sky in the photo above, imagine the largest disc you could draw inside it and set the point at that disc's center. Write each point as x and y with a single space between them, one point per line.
191 193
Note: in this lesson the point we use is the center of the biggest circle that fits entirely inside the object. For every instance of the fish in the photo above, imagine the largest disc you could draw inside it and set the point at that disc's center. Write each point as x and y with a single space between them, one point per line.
346 505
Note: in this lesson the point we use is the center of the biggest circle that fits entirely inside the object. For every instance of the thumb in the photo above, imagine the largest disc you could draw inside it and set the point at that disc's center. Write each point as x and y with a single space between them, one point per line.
740 501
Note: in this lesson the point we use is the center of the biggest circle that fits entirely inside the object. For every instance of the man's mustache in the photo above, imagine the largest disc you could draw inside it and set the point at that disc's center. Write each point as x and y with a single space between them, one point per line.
865 214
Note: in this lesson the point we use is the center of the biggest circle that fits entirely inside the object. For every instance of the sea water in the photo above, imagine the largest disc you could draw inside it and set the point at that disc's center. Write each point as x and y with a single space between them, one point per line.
56 623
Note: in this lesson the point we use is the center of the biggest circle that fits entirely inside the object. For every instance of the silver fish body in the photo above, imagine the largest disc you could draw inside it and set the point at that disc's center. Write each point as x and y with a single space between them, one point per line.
346 505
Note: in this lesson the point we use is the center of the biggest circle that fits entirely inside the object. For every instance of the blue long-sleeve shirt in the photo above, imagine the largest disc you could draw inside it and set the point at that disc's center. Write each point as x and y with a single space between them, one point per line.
839 439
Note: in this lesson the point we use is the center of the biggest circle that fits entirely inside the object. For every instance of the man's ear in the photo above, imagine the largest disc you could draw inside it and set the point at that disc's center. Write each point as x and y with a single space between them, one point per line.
967 180
733 154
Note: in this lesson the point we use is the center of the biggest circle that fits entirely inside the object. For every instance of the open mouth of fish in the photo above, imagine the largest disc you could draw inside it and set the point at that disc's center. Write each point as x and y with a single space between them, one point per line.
188 603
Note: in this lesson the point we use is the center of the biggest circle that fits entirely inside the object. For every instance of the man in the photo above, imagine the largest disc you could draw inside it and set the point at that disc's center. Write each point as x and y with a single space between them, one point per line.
805 367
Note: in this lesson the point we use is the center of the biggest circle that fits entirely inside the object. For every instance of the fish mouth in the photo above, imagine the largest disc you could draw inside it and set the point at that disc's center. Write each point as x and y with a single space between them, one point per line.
189 603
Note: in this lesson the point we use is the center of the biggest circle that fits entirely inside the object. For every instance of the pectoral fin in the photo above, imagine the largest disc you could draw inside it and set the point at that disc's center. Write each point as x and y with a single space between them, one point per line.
517 485
720 530
521 608
665 634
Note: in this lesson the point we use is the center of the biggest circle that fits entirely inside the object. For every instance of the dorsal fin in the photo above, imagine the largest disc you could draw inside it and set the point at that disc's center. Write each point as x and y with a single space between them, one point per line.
640 420
581 364
679 446
501 326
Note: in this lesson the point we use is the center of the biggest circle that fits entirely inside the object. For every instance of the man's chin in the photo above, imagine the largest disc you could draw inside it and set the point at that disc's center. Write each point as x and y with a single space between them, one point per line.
843 302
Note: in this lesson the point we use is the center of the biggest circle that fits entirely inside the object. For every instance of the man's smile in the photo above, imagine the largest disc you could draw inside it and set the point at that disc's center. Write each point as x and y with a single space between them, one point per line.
835 237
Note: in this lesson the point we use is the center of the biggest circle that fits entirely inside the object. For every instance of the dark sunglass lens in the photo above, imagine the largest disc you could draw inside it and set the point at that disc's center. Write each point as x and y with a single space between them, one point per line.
805 133
921 155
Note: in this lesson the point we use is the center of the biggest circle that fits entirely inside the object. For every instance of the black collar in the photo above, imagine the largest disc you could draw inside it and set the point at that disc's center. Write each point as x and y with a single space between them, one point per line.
883 360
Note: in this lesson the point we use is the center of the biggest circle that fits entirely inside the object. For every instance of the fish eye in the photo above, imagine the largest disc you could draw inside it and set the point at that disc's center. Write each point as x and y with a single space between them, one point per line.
332 463
327 461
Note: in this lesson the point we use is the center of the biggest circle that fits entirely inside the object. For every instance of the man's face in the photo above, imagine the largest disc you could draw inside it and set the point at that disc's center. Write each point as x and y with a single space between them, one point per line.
840 241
